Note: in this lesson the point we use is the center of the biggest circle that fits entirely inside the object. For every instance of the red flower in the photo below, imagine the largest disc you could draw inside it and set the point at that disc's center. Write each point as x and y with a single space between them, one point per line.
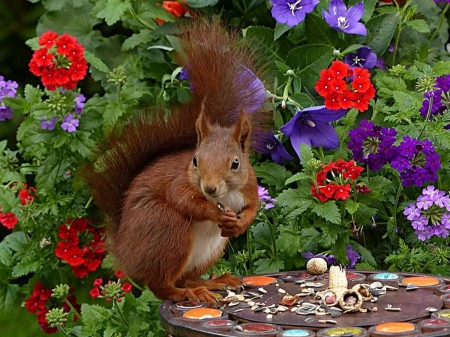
47 39
327 190
60 62
79 225
98 282
340 86
174 8
9 220
25 195
92 262
62 250
95 292
127 287
65 232
120 274
75 256
33 303
342 192
80 271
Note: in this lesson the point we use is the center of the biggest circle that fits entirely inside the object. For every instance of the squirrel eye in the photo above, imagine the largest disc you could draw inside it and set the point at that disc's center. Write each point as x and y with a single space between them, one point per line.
194 161
235 164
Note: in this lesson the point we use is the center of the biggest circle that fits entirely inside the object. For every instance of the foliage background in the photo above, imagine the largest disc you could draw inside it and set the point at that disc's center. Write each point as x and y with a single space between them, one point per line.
22 20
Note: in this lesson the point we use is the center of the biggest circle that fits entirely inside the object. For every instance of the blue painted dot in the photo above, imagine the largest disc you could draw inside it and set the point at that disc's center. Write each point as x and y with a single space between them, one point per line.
295 333
385 276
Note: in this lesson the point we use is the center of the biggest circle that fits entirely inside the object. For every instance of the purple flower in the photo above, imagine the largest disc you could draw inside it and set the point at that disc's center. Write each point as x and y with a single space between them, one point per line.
380 64
330 259
436 107
292 12
266 200
372 145
352 257
312 127
345 20
430 214
267 143
363 58
79 103
443 83
7 89
416 161
48 124
70 124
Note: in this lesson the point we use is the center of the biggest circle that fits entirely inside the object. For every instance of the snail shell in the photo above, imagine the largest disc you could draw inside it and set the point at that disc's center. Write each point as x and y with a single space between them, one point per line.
350 301
363 290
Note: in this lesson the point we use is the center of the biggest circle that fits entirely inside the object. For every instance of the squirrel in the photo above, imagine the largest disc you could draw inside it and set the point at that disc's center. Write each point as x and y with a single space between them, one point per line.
174 190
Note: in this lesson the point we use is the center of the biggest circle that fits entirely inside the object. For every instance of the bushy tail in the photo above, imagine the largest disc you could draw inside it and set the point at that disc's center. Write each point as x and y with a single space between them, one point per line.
218 68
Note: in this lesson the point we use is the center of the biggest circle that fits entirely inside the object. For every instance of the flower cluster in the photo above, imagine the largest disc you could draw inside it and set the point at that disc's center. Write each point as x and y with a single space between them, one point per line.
266 200
8 220
59 101
416 161
435 97
111 291
7 89
83 258
372 144
59 62
430 214
39 303
343 87
26 195
334 181
363 58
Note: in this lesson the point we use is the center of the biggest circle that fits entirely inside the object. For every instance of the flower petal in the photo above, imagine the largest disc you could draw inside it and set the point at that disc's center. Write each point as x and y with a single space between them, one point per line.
323 134
356 28
322 114
338 8
301 136
355 12
289 128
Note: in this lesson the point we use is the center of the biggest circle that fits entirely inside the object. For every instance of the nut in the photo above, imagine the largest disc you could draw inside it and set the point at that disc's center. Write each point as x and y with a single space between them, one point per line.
316 266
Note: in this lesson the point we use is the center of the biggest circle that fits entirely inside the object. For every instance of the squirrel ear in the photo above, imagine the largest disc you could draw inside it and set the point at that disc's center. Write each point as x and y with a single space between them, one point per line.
202 125
242 131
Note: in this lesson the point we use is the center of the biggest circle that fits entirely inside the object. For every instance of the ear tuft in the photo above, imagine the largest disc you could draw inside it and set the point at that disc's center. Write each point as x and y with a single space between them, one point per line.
202 125
242 130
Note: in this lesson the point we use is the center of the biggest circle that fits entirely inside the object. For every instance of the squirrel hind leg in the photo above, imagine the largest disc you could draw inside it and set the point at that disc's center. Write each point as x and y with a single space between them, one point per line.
226 281
176 294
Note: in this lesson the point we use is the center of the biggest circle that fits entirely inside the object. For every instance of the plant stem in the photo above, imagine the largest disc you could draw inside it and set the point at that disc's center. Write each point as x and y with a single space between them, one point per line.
119 311
88 203
63 332
250 250
441 21
272 233
427 118
397 198
137 286
142 22
72 307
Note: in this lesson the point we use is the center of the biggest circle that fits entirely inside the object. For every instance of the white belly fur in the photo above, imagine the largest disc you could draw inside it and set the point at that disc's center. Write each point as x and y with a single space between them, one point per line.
207 239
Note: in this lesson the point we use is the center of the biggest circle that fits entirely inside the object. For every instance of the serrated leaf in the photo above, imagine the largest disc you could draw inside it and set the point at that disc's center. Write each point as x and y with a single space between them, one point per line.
93 316
310 239
298 176
32 94
15 241
330 235
8 295
366 255
306 153
272 174
289 240
95 62
280 29
420 25
264 37
17 103
351 206
309 60
201 3
5 254
112 113
111 10
144 36
7 200
290 197
265 266
382 29
327 210
51 168
441 68
27 265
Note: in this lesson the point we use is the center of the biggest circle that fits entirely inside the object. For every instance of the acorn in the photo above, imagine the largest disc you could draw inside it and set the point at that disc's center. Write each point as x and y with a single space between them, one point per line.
316 266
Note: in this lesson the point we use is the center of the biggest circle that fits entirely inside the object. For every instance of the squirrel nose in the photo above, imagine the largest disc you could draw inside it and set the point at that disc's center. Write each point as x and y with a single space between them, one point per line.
210 189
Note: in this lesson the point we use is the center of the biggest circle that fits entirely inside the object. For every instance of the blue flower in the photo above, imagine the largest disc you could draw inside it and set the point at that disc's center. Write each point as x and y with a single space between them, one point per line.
311 126
267 143
345 20
363 58
292 12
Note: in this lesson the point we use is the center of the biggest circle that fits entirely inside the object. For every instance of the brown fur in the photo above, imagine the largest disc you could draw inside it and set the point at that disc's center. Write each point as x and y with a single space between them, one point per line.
157 202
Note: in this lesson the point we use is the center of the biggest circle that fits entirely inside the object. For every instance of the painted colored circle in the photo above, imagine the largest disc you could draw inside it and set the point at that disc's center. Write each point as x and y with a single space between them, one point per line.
395 327
259 280
421 281
201 313
385 276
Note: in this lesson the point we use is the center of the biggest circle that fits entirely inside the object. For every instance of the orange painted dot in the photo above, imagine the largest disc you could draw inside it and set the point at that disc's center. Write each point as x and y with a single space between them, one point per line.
201 313
395 327
259 280
421 281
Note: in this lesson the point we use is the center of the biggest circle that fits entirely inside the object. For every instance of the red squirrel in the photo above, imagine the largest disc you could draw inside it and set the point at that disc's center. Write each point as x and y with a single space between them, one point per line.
173 191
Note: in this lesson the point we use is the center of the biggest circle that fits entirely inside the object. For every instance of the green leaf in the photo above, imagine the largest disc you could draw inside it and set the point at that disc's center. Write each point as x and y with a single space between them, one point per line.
6 257
27 265
32 94
327 210
272 174
143 37
289 240
297 177
293 198
265 266
93 318
441 68
7 200
310 239
51 168
95 62
264 38
201 3
112 113
83 144
8 295
57 5
330 234
111 10
16 241
302 99
280 29
306 153
366 255
309 60
351 206
369 7
420 25
382 29
318 31
17 103
74 21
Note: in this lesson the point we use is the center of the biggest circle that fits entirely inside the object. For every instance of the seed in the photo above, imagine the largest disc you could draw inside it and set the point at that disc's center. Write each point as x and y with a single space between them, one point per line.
281 291
262 290
327 321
